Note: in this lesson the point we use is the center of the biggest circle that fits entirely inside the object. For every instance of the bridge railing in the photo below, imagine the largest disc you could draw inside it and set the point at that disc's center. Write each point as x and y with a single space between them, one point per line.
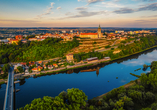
6 94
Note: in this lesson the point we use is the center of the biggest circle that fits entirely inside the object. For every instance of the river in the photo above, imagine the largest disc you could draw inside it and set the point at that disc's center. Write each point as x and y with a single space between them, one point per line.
93 83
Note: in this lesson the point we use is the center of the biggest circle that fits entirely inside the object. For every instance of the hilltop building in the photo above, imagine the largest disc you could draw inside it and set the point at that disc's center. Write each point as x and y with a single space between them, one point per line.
70 57
92 35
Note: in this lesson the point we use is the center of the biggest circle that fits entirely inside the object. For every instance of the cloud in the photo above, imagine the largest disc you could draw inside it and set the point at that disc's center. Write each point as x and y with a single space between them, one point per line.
48 11
58 8
12 20
146 21
148 16
124 10
52 3
68 13
145 0
111 4
81 8
79 0
87 14
149 7
94 1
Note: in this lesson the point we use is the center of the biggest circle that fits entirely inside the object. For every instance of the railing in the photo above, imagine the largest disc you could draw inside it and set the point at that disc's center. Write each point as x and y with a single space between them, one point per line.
6 94
8 102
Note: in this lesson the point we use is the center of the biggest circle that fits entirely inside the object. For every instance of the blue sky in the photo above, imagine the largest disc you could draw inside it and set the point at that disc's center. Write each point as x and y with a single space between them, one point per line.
78 13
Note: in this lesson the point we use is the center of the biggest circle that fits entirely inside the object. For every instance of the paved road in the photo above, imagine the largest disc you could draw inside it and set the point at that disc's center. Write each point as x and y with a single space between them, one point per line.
8 103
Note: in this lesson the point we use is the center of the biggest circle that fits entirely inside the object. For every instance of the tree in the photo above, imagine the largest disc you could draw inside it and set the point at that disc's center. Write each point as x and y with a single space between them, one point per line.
76 97
20 69
6 68
154 106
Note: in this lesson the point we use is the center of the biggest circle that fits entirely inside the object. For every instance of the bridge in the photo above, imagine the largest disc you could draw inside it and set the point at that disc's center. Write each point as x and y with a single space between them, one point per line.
9 95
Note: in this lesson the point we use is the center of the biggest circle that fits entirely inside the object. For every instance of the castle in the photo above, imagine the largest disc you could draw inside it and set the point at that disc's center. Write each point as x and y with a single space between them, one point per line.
92 35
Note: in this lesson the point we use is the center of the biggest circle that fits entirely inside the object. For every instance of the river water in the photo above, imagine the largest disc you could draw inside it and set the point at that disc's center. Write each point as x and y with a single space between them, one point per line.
93 83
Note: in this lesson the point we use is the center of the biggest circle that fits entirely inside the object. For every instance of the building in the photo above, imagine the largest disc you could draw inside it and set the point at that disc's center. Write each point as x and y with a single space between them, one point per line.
99 32
19 37
92 35
32 39
107 58
92 59
15 41
89 35
70 57
39 68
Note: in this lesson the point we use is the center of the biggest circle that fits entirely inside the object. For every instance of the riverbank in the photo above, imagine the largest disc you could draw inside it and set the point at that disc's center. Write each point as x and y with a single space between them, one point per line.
87 64
132 83
42 73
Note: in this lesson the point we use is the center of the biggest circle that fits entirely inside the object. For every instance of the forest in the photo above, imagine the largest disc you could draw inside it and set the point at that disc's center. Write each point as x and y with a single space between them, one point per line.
140 96
35 50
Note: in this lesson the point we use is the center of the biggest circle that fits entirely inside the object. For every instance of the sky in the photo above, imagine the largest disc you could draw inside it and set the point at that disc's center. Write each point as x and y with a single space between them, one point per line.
78 13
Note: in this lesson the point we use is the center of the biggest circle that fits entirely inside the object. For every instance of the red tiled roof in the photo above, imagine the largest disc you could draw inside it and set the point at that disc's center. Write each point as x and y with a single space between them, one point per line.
89 33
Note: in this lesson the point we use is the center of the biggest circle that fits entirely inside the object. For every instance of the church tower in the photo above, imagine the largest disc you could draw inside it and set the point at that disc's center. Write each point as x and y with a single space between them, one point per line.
99 32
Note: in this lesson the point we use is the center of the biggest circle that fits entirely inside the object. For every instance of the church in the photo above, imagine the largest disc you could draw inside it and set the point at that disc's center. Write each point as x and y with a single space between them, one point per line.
92 35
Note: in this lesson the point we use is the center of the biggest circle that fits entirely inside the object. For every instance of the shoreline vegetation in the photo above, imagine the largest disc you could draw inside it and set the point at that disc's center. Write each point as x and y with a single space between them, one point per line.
136 95
93 63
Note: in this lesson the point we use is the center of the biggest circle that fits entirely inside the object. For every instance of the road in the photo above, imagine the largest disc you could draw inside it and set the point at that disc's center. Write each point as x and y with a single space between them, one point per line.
8 103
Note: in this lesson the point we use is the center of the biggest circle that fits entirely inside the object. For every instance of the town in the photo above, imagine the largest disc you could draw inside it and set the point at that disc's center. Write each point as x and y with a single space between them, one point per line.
99 42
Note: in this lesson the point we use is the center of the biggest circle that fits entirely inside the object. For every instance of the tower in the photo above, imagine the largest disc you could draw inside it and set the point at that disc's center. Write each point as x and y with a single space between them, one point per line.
99 31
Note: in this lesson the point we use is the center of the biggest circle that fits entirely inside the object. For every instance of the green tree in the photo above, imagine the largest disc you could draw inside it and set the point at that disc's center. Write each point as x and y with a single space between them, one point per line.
6 68
20 69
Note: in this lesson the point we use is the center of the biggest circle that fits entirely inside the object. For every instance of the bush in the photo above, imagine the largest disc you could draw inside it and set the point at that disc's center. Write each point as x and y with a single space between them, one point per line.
107 46
154 106
137 88
121 95
150 97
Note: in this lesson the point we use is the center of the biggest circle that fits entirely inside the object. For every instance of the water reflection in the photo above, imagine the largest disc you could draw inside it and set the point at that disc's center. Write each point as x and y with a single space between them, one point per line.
22 82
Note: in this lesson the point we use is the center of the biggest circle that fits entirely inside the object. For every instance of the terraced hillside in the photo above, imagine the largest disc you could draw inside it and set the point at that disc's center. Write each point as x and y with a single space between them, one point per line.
87 45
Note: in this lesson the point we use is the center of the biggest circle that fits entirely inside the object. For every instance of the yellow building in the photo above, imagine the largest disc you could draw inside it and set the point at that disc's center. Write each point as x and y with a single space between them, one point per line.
92 35
99 32
70 57
15 41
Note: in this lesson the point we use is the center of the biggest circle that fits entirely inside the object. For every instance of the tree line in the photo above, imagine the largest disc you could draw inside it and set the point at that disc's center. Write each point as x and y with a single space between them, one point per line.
35 50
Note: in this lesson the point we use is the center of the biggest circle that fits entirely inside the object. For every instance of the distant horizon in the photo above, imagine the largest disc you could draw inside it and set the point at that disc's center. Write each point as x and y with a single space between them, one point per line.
83 27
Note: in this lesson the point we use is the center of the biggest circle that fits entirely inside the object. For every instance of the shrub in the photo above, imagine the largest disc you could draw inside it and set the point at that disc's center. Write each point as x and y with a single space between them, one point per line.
154 106
121 95
137 88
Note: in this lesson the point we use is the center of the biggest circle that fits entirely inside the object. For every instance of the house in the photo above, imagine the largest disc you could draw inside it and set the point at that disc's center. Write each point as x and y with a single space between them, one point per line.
23 63
19 37
39 68
24 41
14 41
32 39
31 63
44 66
50 67
26 70
40 62
55 65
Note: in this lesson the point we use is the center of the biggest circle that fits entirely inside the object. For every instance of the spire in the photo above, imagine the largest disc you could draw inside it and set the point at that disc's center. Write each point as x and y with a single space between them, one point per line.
99 26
